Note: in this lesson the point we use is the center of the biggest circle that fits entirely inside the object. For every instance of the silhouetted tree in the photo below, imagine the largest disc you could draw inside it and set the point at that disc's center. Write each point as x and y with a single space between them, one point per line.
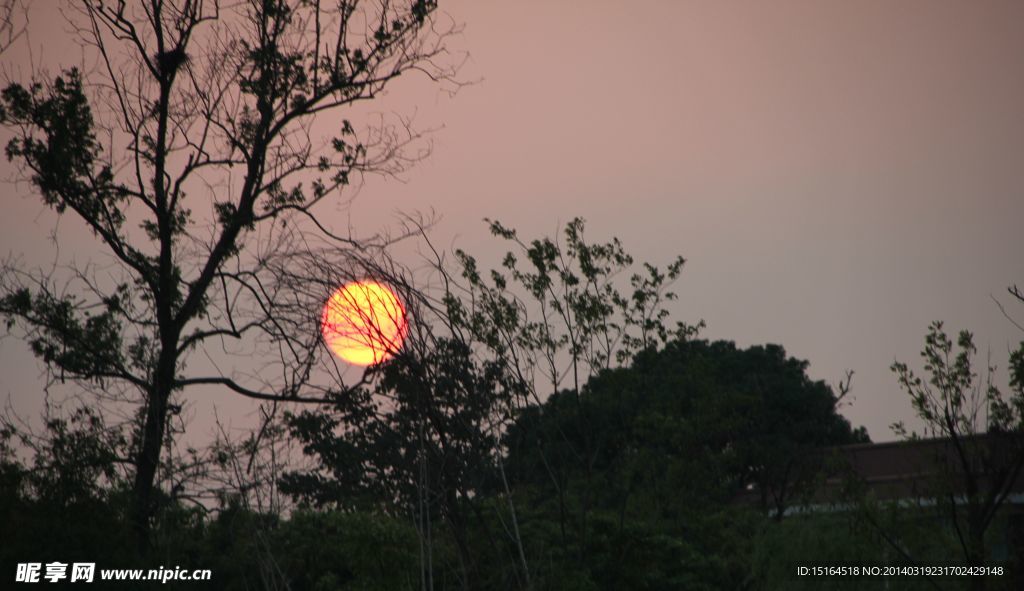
193 157
981 432
13 22
426 437
677 437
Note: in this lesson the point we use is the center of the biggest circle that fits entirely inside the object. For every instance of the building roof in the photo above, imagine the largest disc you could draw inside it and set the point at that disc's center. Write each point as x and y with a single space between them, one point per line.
912 470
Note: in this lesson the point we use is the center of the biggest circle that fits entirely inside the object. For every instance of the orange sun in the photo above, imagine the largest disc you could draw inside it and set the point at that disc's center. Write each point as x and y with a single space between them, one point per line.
363 322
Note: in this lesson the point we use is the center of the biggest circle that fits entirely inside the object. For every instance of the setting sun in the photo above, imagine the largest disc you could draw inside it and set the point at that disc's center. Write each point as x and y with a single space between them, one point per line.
363 323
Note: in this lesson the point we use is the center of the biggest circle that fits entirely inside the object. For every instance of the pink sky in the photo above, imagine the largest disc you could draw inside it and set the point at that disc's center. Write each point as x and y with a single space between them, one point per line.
838 174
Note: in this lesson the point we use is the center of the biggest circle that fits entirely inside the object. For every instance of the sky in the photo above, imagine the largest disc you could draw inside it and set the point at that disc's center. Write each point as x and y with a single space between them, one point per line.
837 174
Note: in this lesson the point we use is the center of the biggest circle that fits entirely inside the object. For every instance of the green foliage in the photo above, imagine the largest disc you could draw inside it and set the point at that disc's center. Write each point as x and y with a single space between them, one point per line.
67 501
83 344
650 458
429 414
950 399
426 438
693 422
570 303
357 551
981 433
709 549
847 538
58 144
624 477
647 461
308 551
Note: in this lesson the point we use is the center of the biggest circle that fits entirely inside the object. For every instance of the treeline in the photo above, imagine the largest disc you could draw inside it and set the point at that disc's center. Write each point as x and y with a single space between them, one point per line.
631 484
686 470
541 428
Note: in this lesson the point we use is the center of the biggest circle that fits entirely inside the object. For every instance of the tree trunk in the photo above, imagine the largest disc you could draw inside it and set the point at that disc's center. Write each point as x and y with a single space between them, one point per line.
976 535
148 459
462 546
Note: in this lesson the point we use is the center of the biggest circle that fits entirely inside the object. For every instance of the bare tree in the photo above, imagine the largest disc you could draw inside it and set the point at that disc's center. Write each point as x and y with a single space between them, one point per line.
13 22
193 155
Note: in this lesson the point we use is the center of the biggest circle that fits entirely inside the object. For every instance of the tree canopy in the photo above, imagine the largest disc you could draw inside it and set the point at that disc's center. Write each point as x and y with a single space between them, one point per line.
196 154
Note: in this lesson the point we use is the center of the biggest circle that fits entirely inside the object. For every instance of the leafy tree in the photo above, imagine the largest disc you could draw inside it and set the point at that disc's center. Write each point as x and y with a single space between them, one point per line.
66 487
678 436
982 431
420 442
307 551
752 413
623 477
557 312
842 537
193 157
426 438
13 22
